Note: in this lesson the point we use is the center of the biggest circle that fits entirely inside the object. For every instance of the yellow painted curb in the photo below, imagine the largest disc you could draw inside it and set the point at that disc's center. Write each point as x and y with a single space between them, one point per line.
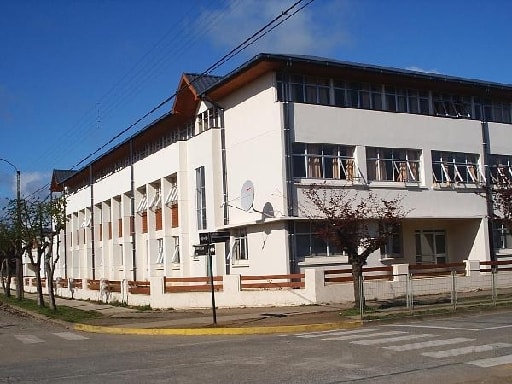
217 331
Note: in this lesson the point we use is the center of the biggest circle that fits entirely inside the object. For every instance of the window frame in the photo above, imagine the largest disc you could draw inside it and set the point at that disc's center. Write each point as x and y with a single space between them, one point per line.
396 165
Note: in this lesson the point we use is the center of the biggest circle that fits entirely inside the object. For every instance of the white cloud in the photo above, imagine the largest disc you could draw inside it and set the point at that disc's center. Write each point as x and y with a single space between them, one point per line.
34 181
317 29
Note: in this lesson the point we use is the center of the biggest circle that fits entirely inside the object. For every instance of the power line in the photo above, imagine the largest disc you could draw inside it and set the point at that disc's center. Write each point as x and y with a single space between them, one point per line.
234 52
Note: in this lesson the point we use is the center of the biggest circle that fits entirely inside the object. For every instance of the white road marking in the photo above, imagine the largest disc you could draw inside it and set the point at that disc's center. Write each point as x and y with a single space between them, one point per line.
432 327
70 336
359 336
466 350
336 333
391 339
29 339
493 361
427 344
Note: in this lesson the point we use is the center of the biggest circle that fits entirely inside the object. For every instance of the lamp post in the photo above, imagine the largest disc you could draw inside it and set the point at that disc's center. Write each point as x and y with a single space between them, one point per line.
19 270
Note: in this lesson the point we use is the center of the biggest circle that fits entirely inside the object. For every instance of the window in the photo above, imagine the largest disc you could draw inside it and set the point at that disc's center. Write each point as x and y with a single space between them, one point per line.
155 203
239 250
502 237
393 247
143 204
430 247
455 167
500 167
323 161
176 254
391 164
160 250
309 244
211 118
200 198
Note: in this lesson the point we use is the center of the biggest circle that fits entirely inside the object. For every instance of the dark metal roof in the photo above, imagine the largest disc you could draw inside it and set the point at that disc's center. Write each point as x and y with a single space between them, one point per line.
202 82
333 63
59 175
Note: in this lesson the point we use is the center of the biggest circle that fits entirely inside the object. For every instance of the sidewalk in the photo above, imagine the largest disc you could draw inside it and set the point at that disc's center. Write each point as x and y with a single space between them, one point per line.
126 320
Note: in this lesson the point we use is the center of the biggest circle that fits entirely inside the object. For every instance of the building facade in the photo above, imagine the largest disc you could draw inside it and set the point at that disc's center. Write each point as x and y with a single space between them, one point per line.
237 153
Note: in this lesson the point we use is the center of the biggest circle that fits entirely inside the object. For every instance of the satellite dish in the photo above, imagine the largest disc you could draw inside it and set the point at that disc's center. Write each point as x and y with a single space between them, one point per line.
247 195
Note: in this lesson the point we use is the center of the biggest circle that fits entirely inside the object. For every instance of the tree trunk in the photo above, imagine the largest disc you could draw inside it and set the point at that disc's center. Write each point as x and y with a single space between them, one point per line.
6 272
40 299
49 284
19 278
357 277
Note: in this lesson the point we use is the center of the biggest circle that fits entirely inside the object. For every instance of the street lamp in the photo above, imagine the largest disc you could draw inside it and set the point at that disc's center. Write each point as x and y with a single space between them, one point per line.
19 270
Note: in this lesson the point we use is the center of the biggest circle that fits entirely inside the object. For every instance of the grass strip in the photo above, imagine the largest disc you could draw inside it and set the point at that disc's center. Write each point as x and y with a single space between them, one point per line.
64 313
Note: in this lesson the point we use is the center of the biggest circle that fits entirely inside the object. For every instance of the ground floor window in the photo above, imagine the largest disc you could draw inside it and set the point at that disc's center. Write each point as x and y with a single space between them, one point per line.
431 247
502 237
176 254
160 255
239 249
393 246
308 243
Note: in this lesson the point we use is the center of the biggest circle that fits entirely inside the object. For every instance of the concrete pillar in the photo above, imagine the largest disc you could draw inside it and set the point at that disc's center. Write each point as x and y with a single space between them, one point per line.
400 272
231 284
314 284
472 267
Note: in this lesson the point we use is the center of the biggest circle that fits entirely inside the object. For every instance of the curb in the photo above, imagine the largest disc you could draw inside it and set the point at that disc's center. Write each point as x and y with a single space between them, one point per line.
217 331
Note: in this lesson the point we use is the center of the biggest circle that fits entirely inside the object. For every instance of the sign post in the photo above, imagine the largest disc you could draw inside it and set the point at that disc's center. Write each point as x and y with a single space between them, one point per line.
206 248
212 288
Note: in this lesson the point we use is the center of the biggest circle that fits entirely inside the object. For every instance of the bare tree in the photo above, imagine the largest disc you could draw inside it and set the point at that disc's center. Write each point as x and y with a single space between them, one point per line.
357 222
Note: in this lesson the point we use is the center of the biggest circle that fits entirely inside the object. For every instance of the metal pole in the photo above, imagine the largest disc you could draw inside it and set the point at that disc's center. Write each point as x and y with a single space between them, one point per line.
493 277
19 265
212 288
454 291
361 296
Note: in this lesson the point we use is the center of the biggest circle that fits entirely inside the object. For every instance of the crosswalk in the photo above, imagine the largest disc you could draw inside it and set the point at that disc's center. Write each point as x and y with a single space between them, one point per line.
429 344
33 339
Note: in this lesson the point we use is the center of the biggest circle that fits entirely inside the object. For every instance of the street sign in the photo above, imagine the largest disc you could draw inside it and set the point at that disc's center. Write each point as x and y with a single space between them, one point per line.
202 249
219 236
204 238
213 237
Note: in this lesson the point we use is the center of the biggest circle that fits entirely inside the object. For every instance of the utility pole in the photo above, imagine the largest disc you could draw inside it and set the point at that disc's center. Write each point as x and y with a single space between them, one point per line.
18 256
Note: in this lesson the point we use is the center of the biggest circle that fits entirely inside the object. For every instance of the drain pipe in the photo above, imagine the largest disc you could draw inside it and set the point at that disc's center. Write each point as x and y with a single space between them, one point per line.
132 214
488 189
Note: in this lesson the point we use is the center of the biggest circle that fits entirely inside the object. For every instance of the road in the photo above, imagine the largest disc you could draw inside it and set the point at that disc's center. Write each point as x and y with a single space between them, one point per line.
474 348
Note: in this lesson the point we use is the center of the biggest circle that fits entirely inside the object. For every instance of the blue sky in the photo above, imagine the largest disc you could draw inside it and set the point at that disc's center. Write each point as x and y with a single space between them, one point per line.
73 74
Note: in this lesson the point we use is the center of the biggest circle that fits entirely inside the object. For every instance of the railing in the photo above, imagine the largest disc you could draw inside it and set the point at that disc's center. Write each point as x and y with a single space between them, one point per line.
492 266
437 270
93 285
192 284
369 273
272 281
139 287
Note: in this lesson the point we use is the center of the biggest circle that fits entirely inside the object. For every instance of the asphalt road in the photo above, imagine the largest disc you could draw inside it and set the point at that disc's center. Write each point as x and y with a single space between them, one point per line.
475 348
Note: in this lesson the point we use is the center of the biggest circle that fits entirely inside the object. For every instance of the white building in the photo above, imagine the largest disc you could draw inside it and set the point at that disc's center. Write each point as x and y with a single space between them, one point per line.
235 154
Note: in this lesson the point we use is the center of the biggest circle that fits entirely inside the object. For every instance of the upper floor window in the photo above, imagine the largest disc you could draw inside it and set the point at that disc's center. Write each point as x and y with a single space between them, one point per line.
211 118
455 167
386 97
392 164
500 167
325 161
200 198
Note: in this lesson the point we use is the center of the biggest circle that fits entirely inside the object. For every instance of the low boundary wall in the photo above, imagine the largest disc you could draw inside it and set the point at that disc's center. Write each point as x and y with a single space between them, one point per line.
314 286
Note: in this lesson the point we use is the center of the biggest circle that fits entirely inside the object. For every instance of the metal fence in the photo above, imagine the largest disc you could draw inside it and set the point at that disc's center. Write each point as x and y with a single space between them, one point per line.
424 292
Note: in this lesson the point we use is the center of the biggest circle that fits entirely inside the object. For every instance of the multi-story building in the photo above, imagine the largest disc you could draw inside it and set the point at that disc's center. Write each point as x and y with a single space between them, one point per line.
236 154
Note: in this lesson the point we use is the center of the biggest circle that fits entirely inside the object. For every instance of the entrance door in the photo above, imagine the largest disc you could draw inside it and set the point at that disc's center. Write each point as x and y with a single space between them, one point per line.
431 247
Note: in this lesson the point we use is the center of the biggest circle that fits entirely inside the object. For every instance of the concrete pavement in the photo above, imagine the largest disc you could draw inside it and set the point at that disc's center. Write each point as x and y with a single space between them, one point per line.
261 320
